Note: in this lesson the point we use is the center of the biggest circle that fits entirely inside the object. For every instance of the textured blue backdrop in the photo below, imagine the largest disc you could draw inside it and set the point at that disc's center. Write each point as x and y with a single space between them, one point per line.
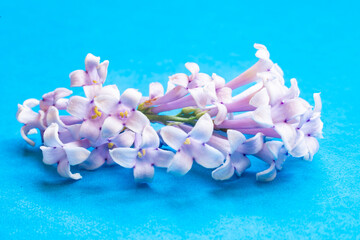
317 43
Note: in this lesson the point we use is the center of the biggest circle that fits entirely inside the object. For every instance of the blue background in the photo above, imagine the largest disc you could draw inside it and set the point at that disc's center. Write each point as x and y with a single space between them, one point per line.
315 42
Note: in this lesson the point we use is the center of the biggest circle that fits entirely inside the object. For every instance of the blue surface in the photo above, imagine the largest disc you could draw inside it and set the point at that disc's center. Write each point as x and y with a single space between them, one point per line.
317 43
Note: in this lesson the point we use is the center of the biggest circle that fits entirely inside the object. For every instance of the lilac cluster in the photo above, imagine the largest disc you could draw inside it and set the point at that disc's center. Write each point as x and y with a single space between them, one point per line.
106 127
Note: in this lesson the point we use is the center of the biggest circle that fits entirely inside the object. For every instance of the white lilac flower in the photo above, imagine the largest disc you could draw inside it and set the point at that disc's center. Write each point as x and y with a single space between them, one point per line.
192 146
235 149
64 155
85 109
32 120
101 155
144 156
95 73
121 112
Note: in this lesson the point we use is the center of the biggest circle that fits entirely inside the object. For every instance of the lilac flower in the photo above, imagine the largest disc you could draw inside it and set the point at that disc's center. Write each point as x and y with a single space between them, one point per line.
95 72
221 96
90 114
235 150
144 156
122 112
55 151
307 132
30 119
56 99
101 154
250 75
275 154
192 146
196 79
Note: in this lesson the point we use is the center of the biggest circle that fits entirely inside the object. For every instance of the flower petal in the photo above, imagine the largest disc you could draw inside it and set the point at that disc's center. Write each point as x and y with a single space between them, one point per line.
76 155
199 96
143 171
313 146
31 102
102 70
131 98
261 98
240 163
192 67
206 155
137 121
79 78
267 175
318 104
262 115
174 137
221 114
26 115
51 136
235 138
52 155
125 139
125 157
225 171
180 164
61 93
63 169
78 106
106 103
203 129
219 81
252 145
91 62
91 91
24 131
160 157
287 133
52 116
179 79
262 52
210 90
111 90
96 159
156 89
111 127
150 139
224 94
89 130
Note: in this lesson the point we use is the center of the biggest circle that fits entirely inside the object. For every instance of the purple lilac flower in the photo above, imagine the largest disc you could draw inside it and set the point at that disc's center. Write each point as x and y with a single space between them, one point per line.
64 155
192 146
144 156
121 111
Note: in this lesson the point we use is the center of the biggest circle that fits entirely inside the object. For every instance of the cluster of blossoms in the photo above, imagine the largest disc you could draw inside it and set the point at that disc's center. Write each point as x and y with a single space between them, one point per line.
106 127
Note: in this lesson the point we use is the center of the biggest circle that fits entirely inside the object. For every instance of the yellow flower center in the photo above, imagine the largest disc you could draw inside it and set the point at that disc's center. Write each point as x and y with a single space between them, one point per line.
94 81
141 153
124 114
97 113
110 145
187 141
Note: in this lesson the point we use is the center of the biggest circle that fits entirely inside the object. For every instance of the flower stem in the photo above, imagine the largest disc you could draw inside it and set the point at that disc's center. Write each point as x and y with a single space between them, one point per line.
168 119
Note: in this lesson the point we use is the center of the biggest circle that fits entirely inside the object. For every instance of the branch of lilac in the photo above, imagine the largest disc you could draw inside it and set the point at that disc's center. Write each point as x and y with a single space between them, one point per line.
106 127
